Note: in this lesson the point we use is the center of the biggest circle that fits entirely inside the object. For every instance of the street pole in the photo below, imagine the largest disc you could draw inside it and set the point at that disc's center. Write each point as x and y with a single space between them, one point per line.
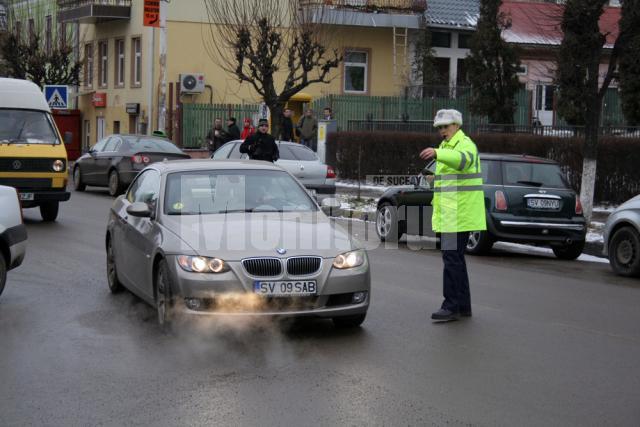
162 97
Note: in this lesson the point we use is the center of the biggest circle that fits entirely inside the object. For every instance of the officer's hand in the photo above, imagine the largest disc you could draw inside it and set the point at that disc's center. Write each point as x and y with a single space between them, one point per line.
428 154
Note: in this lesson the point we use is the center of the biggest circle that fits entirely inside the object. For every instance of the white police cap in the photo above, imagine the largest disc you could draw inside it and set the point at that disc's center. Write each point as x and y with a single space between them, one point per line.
447 117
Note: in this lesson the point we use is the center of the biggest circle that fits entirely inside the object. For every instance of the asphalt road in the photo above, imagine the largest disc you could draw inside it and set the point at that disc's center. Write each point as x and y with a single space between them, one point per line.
551 343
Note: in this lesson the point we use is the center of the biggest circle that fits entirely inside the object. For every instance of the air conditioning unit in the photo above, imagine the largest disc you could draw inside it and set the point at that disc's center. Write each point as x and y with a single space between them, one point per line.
191 83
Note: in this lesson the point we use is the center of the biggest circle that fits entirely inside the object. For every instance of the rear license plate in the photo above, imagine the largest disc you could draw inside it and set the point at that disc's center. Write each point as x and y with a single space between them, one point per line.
26 196
293 288
543 203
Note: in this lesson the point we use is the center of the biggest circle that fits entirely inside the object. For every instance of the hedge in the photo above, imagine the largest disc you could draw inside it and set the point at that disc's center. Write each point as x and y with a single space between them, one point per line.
392 153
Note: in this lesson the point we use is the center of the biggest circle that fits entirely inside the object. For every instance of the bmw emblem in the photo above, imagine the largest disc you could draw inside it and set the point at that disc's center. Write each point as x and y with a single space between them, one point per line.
17 164
281 251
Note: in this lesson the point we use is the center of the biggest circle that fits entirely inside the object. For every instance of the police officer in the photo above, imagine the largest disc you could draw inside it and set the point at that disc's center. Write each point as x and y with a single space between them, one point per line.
458 209
261 145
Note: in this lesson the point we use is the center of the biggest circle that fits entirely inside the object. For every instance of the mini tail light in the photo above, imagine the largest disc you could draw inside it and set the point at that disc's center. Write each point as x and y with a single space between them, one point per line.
578 206
138 159
330 172
501 201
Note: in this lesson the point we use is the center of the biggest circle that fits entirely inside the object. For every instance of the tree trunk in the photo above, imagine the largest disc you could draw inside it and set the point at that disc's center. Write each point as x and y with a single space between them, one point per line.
589 162
276 111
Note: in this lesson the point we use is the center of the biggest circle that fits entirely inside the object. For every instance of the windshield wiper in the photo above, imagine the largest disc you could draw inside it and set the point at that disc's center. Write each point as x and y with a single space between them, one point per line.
534 183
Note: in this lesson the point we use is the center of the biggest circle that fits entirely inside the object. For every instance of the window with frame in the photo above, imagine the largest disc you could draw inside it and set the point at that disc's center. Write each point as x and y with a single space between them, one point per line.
145 188
103 63
31 29
464 41
88 65
136 62
440 39
48 36
119 62
18 31
62 34
355 71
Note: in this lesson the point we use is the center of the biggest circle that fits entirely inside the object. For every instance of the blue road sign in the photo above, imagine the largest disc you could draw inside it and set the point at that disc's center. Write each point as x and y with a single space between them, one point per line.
57 96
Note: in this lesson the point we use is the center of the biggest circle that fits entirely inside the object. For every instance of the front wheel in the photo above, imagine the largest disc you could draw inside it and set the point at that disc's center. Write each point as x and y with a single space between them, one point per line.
3 273
479 243
387 225
78 184
624 252
570 251
112 273
164 298
345 322
49 211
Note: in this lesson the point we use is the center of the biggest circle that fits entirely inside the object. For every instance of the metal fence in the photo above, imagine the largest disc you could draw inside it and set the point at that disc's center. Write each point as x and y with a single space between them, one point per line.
197 119
426 126
410 109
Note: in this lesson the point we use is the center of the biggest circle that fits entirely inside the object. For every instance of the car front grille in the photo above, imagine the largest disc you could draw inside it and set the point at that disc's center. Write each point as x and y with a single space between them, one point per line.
303 266
263 267
26 164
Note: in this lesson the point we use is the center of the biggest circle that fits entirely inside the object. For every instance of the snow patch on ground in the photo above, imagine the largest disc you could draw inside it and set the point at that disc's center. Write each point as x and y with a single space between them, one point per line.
526 249
354 184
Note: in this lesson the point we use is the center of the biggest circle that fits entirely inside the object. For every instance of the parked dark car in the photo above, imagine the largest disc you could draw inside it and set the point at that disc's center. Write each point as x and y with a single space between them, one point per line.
528 200
298 160
622 238
115 160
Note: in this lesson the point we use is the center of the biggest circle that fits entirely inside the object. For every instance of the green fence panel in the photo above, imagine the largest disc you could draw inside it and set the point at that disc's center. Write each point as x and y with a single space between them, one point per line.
197 119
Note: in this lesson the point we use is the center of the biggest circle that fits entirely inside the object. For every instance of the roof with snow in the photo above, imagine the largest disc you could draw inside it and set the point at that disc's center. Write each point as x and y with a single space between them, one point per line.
461 14
539 23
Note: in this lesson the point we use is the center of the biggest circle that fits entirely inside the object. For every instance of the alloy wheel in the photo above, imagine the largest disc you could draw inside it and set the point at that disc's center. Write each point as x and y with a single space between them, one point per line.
625 252
383 221
474 238
113 183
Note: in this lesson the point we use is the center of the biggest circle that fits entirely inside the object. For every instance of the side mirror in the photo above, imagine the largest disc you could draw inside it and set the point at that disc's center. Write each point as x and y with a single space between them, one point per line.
68 138
139 209
330 202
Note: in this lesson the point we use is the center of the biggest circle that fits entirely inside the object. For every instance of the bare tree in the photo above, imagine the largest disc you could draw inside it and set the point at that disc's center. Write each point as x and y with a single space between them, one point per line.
263 42
580 84
39 53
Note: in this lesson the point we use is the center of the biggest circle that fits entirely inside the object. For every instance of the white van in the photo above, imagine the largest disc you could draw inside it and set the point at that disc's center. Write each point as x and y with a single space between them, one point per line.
33 158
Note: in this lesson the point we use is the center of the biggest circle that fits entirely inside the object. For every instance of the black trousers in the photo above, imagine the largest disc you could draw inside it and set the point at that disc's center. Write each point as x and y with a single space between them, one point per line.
455 286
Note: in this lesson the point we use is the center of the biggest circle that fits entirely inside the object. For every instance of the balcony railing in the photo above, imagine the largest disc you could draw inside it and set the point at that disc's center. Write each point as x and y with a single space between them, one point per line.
374 6
93 11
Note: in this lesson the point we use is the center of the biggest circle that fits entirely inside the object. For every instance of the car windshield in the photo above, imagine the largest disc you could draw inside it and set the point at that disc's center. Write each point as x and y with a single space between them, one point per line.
26 127
533 175
226 191
142 145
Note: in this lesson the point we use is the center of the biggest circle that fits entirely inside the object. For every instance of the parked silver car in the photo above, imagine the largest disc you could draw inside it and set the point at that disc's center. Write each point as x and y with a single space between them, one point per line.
622 238
203 238
298 160
13 233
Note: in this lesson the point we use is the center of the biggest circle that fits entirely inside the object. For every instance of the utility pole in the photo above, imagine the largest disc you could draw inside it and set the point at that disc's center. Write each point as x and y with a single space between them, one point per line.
162 96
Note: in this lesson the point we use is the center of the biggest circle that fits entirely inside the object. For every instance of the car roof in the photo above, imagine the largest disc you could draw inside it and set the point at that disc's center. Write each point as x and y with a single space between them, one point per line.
516 158
277 142
209 164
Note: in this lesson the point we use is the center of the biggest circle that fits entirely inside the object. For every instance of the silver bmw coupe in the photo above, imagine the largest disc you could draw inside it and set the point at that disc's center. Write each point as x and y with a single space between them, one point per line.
196 237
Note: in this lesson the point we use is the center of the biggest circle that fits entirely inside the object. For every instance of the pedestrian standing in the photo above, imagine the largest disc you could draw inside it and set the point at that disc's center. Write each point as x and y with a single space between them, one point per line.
308 130
216 136
261 145
247 129
286 126
233 131
458 209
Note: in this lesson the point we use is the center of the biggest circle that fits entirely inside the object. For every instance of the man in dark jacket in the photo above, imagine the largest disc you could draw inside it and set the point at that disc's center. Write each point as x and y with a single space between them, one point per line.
286 126
261 145
216 136
233 131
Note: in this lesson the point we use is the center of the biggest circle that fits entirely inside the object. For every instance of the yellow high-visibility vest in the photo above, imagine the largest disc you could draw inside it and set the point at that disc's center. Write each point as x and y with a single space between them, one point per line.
458 200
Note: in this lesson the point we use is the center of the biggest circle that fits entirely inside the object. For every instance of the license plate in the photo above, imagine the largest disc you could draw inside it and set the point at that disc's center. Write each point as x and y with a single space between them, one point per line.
26 196
292 288
543 203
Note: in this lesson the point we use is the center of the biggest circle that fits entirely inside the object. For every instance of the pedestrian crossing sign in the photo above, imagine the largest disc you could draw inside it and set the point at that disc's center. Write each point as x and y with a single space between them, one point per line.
57 96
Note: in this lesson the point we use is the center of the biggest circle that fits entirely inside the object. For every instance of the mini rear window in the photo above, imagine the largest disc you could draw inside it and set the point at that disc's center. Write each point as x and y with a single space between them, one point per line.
533 175
303 153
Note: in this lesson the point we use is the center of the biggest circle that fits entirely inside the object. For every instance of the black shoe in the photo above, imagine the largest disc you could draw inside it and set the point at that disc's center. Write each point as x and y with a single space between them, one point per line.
444 315
465 313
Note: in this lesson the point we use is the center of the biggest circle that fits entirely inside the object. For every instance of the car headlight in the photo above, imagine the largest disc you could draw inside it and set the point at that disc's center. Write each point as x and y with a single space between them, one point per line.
58 165
200 264
349 259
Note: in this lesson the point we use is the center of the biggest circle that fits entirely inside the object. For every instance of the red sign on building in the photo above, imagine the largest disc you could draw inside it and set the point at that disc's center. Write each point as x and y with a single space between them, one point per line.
151 15
99 99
